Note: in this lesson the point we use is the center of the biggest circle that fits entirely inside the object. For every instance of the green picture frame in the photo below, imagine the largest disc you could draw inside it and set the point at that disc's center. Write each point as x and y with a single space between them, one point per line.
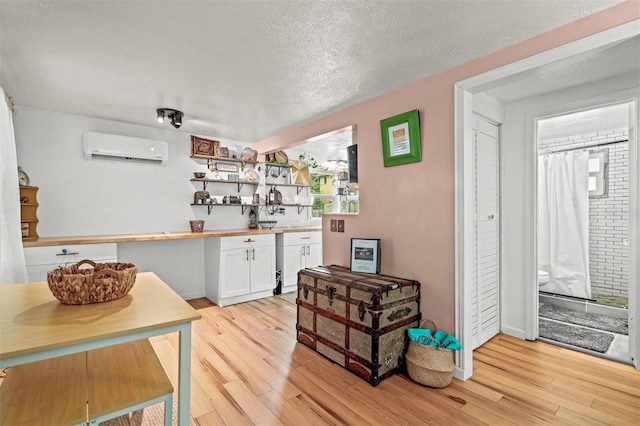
401 139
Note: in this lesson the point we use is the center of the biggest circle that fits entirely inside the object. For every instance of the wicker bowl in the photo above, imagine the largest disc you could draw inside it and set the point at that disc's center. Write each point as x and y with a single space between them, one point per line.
199 175
104 282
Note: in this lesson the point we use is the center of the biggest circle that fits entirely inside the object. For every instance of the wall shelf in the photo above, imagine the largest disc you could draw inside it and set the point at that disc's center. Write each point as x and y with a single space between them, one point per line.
240 183
227 159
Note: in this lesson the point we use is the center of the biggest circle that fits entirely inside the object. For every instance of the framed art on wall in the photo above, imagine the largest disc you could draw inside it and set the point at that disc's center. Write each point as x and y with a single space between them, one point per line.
401 139
365 255
204 147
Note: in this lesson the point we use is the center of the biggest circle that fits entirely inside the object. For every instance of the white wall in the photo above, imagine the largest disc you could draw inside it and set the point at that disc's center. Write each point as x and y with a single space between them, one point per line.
91 197
518 188
179 263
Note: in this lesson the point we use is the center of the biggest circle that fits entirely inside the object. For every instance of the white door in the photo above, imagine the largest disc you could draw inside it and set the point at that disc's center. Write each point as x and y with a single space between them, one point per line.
487 197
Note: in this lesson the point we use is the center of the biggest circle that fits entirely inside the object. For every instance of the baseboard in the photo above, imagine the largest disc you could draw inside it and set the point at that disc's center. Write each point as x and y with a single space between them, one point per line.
192 295
459 374
514 332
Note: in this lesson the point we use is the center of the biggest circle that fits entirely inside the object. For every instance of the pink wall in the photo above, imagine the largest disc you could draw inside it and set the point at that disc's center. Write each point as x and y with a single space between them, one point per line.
411 207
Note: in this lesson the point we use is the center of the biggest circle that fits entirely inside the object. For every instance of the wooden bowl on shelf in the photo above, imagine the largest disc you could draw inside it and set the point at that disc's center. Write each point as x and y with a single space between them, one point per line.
199 175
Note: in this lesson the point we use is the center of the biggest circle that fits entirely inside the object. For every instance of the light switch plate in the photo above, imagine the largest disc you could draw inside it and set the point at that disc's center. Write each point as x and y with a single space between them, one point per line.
334 225
341 225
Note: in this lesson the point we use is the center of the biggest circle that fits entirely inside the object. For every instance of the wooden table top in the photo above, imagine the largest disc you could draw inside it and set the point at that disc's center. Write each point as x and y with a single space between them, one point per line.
32 319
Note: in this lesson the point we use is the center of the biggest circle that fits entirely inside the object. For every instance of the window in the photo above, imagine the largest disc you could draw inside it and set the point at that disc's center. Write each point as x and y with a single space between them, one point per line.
598 162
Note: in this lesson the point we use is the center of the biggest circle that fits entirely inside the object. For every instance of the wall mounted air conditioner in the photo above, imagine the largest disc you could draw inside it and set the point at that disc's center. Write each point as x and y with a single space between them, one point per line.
103 146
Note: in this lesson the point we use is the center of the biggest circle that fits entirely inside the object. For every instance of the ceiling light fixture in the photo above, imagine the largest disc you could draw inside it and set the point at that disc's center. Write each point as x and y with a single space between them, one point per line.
172 114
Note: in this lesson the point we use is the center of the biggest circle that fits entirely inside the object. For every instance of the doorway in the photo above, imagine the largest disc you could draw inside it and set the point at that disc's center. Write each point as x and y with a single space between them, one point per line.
583 230
519 293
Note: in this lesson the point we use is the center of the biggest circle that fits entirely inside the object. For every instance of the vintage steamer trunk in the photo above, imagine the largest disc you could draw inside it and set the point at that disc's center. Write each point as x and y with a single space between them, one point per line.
357 320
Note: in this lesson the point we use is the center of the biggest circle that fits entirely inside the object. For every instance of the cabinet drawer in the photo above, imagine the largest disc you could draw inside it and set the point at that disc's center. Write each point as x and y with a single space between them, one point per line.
53 255
243 241
297 238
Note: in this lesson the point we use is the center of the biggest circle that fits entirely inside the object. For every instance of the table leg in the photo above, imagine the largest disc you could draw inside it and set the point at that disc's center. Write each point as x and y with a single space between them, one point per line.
184 376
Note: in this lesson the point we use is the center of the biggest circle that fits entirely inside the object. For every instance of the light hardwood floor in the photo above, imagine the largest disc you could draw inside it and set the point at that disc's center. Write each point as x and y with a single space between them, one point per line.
247 369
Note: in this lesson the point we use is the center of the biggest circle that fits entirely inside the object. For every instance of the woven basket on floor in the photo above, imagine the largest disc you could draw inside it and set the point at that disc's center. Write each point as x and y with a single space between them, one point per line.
103 282
429 365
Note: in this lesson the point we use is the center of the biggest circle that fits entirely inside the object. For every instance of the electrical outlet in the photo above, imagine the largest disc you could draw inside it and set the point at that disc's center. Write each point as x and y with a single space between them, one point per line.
334 225
341 225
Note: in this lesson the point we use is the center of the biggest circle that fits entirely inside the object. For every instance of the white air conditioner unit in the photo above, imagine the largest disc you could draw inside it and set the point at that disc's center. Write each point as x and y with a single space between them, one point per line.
103 146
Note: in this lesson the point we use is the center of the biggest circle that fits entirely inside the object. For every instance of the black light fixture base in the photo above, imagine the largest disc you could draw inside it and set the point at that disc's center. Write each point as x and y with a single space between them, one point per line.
172 114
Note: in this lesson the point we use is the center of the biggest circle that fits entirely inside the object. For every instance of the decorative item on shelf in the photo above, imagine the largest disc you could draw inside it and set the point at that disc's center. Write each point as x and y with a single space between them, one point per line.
23 178
274 196
226 167
103 282
201 197
204 147
249 154
24 227
224 152
196 225
300 172
234 177
231 199
253 219
251 176
199 175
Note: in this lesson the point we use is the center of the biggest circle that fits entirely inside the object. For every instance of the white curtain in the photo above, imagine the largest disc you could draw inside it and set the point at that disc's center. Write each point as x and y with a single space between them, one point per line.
563 222
12 263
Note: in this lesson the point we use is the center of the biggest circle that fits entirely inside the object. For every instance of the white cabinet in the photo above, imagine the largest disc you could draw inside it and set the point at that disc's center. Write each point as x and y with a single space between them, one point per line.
239 269
296 251
41 260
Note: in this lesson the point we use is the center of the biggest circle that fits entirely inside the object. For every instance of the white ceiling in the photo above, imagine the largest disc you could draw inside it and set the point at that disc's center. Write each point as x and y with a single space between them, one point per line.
245 70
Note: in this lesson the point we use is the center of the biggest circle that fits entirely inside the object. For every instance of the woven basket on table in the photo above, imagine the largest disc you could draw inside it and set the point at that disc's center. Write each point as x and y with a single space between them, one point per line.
103 282
429 365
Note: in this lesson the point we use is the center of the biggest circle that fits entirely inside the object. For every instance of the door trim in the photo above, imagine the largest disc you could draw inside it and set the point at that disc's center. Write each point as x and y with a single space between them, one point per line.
463 112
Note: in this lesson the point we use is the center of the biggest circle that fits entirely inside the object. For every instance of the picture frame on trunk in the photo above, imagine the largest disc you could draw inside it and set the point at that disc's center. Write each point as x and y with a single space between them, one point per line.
365 255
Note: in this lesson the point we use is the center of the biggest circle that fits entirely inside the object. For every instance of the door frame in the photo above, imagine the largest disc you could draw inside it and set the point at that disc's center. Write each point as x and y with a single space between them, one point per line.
464 92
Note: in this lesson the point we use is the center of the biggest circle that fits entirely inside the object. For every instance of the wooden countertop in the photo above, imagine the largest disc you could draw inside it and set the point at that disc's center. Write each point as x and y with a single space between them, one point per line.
128 238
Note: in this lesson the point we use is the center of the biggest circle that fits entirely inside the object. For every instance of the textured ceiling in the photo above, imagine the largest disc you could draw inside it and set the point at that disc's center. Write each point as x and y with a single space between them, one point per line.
245 70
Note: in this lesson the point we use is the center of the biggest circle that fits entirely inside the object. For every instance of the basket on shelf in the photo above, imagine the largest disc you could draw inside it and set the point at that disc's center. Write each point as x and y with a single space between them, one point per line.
427 364
103 282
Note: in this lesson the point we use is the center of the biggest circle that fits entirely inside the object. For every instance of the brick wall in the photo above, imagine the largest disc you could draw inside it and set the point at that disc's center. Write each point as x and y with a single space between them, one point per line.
608 215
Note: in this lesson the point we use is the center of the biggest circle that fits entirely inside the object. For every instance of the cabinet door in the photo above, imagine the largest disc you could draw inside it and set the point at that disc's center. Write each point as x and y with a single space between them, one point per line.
263 268
235 278
313 255
293 262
